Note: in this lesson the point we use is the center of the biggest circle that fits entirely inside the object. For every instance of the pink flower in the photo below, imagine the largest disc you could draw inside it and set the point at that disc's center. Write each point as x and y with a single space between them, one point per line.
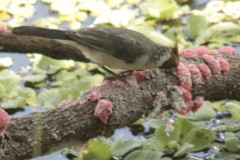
4 121
103 110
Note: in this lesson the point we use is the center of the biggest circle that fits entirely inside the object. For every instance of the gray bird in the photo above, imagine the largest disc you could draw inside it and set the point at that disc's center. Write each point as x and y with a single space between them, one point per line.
112 47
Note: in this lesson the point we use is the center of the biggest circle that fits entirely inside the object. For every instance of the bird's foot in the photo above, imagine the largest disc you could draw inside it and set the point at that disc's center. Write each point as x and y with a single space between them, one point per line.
117 76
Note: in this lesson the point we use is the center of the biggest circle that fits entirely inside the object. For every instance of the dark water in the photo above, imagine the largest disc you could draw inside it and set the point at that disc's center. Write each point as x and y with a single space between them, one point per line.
53 156
19 60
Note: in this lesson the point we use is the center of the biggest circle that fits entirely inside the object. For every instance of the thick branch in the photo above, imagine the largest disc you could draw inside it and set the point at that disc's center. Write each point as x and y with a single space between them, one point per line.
48 47
40 133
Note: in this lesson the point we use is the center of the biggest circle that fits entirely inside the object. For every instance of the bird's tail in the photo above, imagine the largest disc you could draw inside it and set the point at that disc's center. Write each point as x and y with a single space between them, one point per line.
40 32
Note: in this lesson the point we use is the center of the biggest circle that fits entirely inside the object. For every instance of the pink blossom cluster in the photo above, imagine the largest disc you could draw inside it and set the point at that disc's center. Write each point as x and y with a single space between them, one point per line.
3 28
190 104
189 74
94 96
184 77
201 50
4 121
196 74
140 75
103 110
64 103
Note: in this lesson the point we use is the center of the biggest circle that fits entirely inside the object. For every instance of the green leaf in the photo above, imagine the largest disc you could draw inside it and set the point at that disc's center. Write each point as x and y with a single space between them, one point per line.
5 62
197 23
185 137
48 22
144 155
29 95
43 63
155 123
13 103
154 35
163 9
122 17
35 78
150 10
235 39
97 8
67 76
185 148
205 113
232 142
229 125
166 158
227 156
233 107
2 91
9 80
152 144
223 29
165 138
97 150
79 79
69 93
114 3
120 148
133 1
80 85
49 98
186 126
200 138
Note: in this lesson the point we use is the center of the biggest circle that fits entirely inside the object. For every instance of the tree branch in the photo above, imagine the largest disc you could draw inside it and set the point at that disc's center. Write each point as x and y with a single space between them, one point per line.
48 47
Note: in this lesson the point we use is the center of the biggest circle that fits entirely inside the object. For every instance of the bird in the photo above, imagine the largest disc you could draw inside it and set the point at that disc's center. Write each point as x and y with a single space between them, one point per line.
112 47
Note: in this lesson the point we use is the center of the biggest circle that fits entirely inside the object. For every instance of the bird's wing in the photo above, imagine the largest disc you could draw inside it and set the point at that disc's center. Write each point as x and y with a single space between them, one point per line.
117 42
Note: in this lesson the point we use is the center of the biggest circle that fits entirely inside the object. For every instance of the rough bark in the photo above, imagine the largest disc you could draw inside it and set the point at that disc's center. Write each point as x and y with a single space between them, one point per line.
40 133
48 47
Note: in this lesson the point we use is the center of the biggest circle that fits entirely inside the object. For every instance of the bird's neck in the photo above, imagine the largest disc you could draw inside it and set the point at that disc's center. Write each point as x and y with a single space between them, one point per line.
173 61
